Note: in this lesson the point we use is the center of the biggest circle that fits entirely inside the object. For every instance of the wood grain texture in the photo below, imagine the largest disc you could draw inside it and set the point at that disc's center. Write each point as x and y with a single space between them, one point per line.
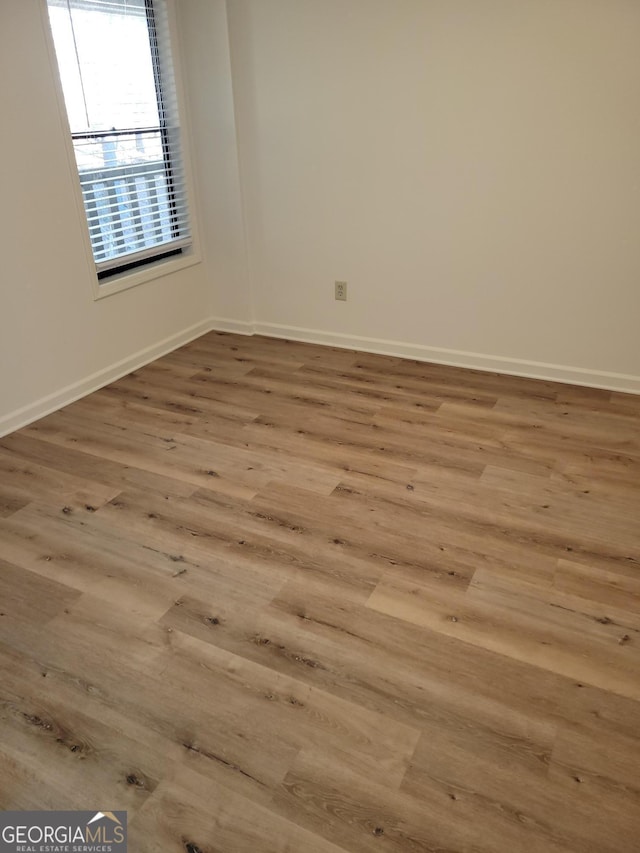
269 596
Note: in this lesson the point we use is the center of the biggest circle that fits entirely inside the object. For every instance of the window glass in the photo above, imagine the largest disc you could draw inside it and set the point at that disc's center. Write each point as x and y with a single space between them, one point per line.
118 87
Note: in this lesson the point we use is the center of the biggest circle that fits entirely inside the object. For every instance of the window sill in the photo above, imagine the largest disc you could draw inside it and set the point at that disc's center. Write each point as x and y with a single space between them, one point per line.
150 272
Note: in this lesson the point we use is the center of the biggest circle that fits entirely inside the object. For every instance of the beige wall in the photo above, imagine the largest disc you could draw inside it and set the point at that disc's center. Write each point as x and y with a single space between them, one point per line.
55 341
471 167
203 26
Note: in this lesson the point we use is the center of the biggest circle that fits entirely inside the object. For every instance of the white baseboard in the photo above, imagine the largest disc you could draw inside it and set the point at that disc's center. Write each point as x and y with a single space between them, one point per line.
238 327
62 397
457 358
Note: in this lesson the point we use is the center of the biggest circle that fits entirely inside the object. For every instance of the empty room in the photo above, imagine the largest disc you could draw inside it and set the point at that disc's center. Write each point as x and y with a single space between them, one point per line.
320 426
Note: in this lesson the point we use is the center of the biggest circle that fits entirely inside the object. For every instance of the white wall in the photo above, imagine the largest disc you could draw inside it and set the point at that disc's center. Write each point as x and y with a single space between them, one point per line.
471 167
55 340
203 28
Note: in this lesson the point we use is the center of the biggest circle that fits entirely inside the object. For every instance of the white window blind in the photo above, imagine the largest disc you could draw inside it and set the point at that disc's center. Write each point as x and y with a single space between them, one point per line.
115 67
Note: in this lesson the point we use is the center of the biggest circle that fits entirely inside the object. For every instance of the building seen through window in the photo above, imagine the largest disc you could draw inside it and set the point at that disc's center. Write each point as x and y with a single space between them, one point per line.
114 64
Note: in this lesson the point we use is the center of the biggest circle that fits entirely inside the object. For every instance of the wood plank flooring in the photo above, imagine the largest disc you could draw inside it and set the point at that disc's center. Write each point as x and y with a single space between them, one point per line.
269 596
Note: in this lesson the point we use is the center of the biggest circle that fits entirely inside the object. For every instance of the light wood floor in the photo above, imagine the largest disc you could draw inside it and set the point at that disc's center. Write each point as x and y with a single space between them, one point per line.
268 596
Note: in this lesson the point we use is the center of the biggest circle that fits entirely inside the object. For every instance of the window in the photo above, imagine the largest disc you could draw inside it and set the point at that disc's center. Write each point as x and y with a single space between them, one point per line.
114 63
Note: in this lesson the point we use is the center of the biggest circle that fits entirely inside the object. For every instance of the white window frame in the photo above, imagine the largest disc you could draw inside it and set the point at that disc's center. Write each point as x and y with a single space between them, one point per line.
161 267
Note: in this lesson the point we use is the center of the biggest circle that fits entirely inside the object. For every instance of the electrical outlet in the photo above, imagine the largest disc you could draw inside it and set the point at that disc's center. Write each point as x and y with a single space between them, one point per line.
341 291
